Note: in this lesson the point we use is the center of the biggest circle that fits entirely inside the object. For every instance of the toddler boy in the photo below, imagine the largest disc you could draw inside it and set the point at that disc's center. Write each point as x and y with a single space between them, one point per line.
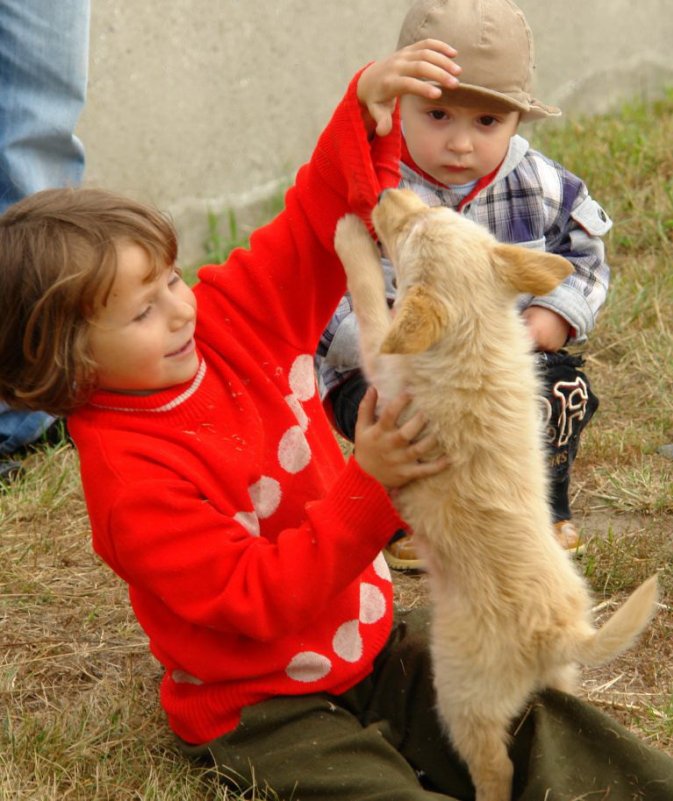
463 151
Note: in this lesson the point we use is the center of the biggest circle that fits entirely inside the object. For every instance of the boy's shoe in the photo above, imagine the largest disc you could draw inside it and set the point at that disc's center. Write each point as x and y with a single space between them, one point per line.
400 552
568 537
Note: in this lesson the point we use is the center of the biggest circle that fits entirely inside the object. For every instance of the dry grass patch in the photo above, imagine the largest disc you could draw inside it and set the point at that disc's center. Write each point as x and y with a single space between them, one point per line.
80 715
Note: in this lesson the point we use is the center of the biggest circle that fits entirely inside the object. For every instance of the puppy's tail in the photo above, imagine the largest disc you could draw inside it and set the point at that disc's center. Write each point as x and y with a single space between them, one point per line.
620 630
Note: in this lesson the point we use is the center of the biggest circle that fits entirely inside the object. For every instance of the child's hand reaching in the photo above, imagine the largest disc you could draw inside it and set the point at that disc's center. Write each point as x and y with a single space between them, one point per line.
407 71
548 330
387 451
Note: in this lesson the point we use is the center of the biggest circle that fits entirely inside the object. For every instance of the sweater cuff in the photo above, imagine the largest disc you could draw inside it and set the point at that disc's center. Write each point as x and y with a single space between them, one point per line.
355 168
360 504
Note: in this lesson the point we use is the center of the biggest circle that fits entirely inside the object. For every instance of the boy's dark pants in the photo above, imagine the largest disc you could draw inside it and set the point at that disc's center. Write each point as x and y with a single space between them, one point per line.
567 406
381 742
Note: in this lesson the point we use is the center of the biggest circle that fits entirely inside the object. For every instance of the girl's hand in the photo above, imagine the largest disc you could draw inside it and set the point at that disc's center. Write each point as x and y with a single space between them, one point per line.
407 71
386 450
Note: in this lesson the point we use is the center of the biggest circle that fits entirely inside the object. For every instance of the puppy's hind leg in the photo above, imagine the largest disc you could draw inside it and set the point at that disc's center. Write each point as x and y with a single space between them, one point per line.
362 265
563 678
482 743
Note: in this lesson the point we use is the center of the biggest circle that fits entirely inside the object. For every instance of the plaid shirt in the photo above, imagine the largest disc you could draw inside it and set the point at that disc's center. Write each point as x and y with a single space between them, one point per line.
532 201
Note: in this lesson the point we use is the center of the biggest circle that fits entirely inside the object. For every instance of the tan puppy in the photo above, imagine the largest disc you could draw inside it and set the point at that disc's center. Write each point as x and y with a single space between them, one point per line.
511 614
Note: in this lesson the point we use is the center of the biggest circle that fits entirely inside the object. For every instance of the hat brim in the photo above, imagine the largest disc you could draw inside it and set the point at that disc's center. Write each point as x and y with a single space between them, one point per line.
528 107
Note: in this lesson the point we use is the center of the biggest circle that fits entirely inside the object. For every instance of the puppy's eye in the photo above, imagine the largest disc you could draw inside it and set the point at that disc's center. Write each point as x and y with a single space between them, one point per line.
394 283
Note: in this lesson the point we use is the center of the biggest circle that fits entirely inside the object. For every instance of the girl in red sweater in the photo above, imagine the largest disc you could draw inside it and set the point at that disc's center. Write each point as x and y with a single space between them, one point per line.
218 493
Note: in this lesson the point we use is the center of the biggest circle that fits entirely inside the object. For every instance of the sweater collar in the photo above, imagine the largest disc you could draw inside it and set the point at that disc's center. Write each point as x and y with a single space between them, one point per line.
165 400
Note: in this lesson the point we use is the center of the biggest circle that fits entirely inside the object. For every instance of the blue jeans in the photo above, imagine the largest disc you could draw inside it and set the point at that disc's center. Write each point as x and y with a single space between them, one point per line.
20 428
44 48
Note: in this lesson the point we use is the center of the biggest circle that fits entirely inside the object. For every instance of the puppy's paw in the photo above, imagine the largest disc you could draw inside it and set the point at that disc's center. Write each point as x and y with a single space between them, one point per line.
353 243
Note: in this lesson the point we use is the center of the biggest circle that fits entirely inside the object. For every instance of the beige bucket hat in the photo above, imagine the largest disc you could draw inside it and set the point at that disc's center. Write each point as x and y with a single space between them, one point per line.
494 44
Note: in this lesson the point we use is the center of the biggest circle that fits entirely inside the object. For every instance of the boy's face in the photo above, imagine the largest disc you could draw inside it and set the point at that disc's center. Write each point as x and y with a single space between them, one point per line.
142 340
456 144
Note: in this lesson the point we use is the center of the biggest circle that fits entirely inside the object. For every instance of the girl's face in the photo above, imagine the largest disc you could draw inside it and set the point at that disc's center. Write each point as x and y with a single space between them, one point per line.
456 144
142 340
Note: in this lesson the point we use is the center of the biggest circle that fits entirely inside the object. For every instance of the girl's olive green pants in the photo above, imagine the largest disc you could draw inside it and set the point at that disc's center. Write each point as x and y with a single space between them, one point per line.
381 741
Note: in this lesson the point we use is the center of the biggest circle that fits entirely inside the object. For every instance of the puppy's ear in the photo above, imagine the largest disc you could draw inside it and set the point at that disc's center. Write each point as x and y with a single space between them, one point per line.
531 270
418 323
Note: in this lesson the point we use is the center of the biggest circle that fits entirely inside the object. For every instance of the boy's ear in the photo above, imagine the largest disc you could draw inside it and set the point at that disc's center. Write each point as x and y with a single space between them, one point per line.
418 323
531 271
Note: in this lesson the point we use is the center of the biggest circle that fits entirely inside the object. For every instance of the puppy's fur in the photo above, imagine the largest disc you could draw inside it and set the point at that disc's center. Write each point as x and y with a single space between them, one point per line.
511 613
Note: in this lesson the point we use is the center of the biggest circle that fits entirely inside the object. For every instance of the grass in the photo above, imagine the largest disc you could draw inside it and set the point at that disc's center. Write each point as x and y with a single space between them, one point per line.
226 232
79 714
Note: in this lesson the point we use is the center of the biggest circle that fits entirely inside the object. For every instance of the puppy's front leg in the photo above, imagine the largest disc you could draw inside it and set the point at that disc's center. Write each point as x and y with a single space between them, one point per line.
362 265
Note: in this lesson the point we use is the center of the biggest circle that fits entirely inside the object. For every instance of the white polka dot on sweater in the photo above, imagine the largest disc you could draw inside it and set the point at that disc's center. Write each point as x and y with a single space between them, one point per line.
372 603
296 407
308 666
265 495
347 642
249 521
294 452
381 567
302 377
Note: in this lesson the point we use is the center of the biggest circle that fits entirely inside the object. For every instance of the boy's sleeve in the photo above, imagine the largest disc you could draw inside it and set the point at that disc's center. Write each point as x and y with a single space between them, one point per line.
338 349
575 232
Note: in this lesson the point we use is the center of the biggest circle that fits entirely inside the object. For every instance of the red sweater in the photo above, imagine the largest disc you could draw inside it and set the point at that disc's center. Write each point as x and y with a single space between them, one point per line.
251 551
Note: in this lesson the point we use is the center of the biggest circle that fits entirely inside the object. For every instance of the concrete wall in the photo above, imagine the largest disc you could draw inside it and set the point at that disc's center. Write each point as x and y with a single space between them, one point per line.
212 104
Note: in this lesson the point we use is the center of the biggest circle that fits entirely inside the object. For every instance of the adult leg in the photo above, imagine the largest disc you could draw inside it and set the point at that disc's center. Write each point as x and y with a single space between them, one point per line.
21 428
43 74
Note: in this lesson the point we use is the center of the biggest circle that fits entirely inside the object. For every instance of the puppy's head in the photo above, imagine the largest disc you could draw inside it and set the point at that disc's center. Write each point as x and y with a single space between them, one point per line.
451 271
